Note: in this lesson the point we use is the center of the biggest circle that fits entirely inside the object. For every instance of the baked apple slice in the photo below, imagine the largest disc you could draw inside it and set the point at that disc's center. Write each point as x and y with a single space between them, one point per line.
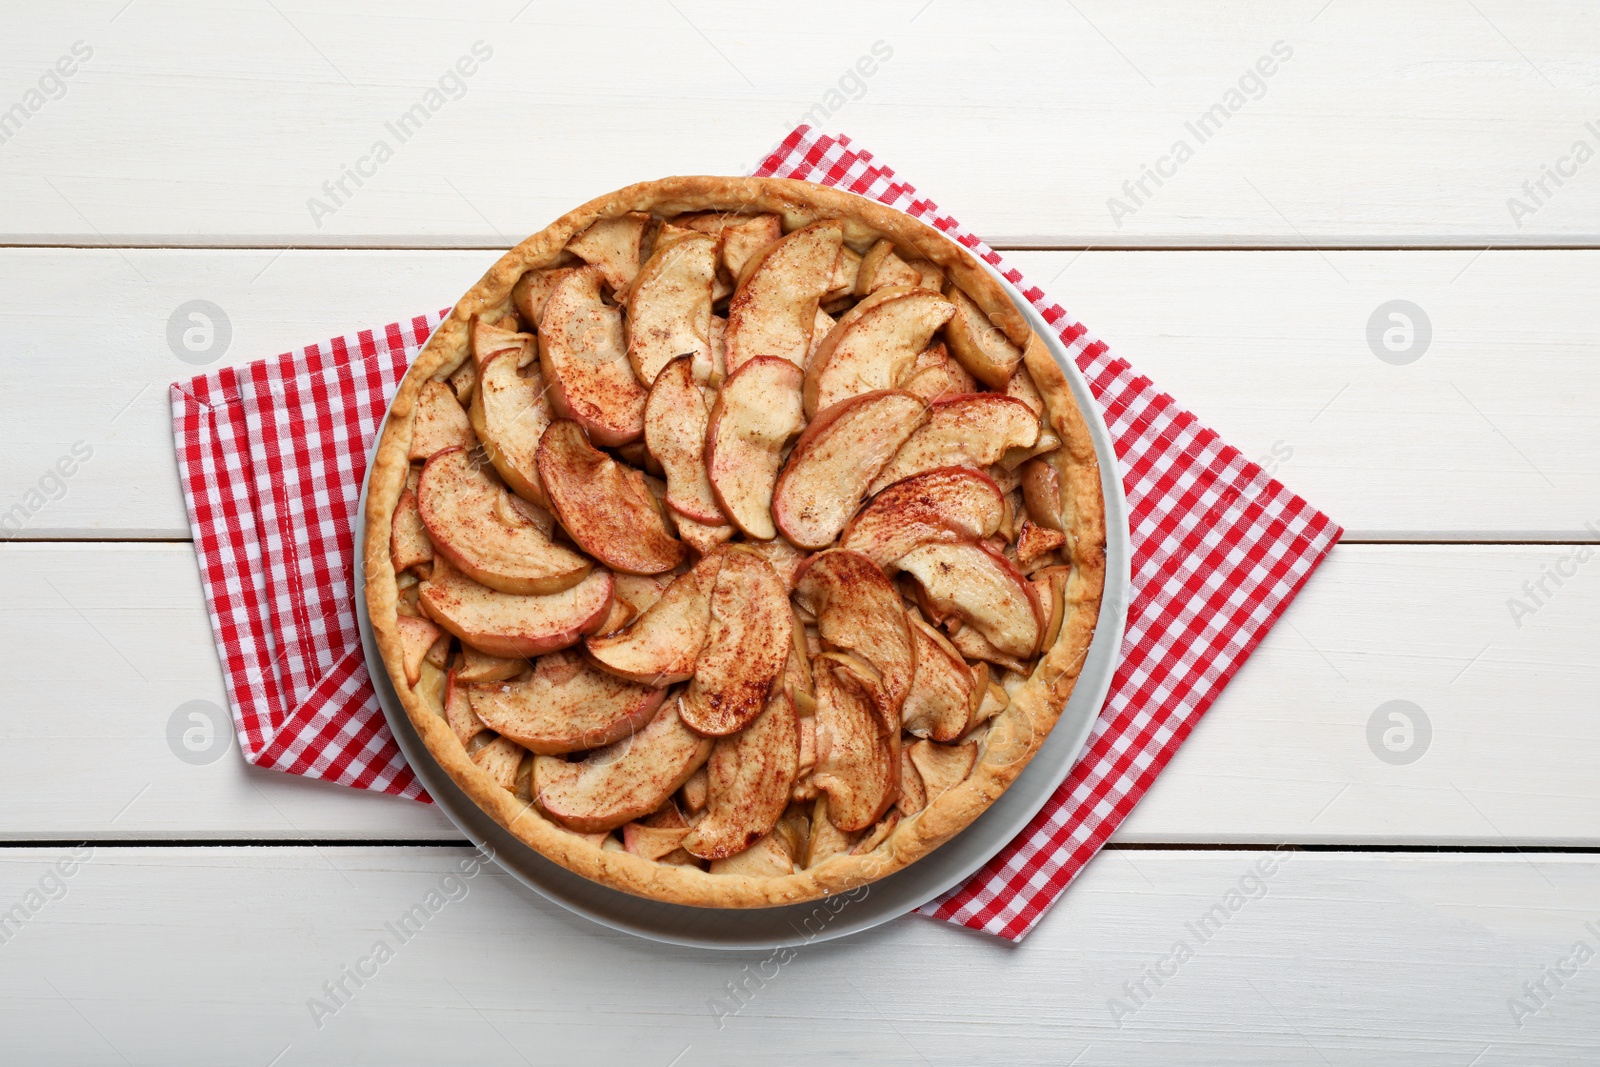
473 523
675 423
669 305
584 358
662 644
614 246
873 345
858 764
1022 387
510 625
935 376
773 310
942 767
756 413
416 637
943 504
767 858
532 292
742 236
841 452
977 343
858 610
458 711
623 781
972 581
440 422
409 544
746 647
604 506
944 692
963 431
510 414
749 776
1041 493
500 759
475 666
564 705
881 268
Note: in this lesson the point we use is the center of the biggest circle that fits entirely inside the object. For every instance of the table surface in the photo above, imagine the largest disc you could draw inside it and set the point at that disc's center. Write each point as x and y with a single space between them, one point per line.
1229 192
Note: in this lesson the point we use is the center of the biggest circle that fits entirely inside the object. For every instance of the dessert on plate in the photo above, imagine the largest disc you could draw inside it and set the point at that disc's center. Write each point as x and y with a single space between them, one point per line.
734 542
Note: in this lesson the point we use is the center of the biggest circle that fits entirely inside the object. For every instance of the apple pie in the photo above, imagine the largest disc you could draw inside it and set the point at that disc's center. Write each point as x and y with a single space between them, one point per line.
734 542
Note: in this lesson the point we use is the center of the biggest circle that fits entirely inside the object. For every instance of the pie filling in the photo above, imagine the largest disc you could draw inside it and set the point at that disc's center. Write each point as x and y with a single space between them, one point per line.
726 545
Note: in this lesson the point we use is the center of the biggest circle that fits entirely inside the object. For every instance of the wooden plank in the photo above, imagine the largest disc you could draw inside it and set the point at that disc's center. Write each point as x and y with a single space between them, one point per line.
1291 958
1380 123
108 642
1488 435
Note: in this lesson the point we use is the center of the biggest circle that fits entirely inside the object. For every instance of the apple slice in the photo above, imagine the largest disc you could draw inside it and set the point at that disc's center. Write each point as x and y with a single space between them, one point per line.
584 358
825 839
881 268
767 858
749 777
840 453
613 246
603 505
913 798
663 643
746 648
784 558
773 310
859 762
510 414
510 625
742 236
963 431
695 791
439 422
652 842
675 421
715 374
475 666
532 292
1041 492
565 705
624 780
416 637
641 590
943 693
1050 587
977 343
669 306
458 711
756 413
470 518
702 538
858 610
974 646
500 758
846 269
943 504
980 586
935 376
943 767
873 345
409 544
1021 386
1036 542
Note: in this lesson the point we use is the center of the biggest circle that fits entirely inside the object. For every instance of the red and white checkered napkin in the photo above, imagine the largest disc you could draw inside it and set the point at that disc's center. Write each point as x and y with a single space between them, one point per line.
272 456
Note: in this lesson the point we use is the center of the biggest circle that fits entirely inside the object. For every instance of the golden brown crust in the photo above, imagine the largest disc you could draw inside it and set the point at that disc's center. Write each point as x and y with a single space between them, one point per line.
1016 733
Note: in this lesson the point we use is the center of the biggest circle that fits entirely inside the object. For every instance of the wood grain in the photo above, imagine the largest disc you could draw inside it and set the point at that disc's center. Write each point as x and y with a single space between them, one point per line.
163 955
1389 124
1489 435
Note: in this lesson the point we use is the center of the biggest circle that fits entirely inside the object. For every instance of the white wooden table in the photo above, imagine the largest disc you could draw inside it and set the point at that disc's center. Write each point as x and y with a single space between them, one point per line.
164 912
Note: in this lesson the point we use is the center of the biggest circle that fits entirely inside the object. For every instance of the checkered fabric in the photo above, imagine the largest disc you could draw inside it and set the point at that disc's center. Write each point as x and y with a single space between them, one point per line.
272 457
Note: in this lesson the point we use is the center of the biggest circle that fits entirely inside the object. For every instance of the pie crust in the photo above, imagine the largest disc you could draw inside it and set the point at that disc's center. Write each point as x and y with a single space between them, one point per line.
1011 737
